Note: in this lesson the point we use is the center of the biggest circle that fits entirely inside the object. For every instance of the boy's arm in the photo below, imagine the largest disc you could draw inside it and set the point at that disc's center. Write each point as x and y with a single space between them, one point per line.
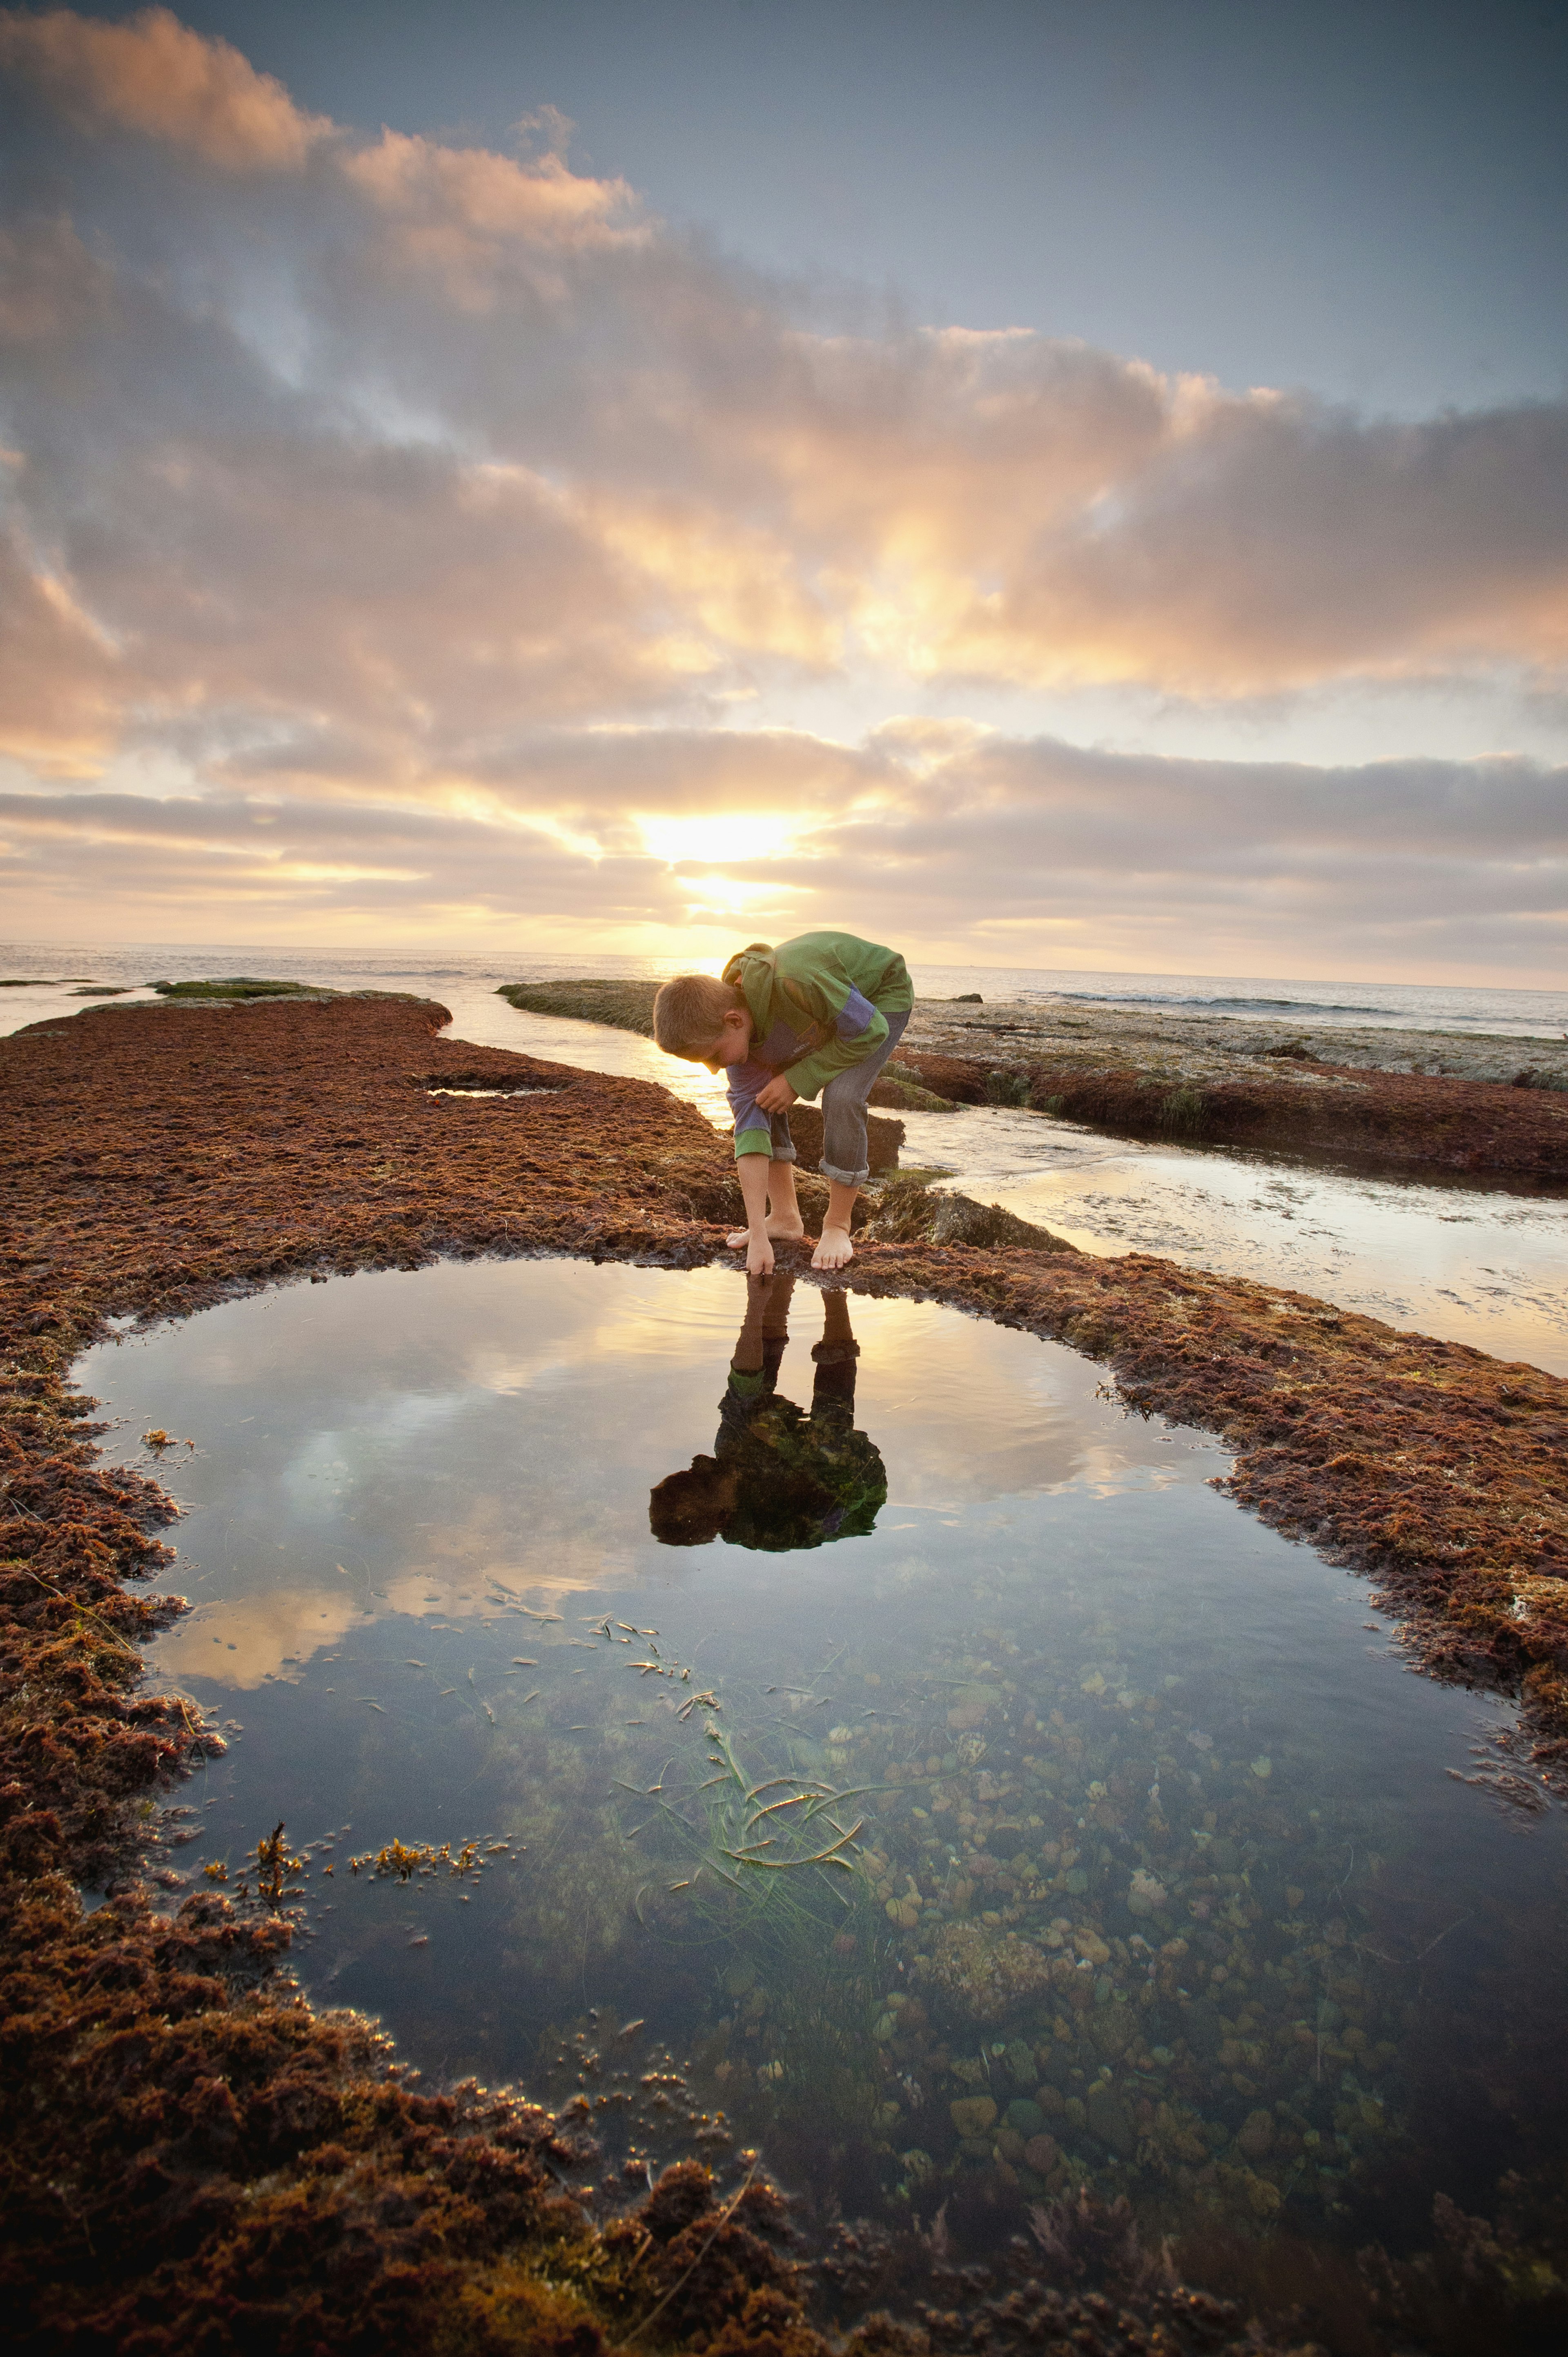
752 1172
753 1129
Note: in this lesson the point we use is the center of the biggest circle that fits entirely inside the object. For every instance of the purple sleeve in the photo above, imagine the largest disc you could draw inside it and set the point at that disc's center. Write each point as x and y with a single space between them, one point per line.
853 1015
752 1125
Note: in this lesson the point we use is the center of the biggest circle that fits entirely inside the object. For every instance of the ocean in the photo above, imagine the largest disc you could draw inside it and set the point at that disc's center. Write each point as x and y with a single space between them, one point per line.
1425 1007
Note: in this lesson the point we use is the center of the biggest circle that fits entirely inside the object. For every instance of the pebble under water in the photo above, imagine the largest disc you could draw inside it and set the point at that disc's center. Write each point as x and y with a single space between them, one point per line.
1044 1821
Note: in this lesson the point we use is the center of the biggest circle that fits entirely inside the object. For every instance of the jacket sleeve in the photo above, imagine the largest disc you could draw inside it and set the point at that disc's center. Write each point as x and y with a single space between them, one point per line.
753 1129
828 996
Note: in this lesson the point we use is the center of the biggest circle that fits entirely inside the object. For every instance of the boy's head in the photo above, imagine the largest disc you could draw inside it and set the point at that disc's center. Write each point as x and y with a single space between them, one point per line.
690 1509
703 1019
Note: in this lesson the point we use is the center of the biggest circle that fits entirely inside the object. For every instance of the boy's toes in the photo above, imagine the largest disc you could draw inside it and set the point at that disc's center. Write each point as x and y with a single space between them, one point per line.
736 1238
834 1249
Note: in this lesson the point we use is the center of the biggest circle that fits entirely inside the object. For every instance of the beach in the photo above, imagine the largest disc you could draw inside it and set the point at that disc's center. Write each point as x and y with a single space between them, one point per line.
173 1156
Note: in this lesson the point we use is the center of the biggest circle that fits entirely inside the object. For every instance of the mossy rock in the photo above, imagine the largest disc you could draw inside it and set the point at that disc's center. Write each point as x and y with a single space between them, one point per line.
243 986
910 1213
905 1093
240 989
623 1005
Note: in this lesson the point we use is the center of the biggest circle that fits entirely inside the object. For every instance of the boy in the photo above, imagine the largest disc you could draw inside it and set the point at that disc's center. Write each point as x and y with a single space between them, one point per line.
822 1012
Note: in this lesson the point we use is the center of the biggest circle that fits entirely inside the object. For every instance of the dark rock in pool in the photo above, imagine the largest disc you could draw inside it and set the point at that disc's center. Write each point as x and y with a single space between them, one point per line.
1203 2029
1109 2120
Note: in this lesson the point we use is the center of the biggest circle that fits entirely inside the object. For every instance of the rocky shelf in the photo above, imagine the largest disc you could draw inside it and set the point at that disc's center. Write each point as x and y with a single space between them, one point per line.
196 2158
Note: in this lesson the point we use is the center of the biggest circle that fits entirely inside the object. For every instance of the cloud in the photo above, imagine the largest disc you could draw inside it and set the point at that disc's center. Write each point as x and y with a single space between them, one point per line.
152 75
445 507
960 841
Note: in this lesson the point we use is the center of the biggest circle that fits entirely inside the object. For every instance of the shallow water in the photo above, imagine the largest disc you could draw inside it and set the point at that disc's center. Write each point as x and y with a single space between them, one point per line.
1161 1871
1465 1263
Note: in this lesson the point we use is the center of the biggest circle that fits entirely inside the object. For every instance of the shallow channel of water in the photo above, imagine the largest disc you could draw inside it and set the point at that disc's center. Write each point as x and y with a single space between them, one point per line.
1145 1861
1464 1262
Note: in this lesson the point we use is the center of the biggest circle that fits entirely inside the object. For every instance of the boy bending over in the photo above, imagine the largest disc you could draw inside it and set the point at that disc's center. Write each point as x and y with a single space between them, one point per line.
822 1012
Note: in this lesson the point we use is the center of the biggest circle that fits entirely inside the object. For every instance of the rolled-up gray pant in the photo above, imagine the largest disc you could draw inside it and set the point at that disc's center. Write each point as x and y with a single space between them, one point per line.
844 1154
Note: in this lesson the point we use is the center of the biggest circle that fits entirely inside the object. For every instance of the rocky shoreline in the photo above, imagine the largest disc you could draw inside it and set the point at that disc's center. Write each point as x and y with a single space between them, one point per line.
1414 1103
169 2090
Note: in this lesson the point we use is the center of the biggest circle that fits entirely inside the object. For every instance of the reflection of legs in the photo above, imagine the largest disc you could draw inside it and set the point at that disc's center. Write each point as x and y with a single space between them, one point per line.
784 1219
834 1357
766 1329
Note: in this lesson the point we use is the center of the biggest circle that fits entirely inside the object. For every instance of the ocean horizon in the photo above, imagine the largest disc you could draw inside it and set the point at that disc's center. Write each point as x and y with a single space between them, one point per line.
1426 1007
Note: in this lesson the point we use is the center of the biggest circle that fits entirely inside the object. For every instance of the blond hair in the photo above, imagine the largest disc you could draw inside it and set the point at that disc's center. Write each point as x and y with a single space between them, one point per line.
689 1014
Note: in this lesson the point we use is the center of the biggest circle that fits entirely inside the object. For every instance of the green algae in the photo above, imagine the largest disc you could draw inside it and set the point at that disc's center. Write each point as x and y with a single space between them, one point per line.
623 1005
242 986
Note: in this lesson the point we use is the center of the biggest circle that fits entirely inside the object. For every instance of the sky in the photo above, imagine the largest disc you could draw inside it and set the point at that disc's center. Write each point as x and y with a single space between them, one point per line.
1076 485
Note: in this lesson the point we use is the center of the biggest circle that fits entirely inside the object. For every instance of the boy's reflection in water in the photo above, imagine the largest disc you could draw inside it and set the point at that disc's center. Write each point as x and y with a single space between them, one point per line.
778 1478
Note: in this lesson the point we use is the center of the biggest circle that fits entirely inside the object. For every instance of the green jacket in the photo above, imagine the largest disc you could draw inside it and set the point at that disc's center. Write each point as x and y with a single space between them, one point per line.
827 993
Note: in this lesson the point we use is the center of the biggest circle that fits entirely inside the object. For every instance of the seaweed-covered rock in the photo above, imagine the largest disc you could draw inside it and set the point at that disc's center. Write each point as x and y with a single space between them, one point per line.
985 1971
910 1212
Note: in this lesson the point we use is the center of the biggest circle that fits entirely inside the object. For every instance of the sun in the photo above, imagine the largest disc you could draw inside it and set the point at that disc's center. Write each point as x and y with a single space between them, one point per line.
720 836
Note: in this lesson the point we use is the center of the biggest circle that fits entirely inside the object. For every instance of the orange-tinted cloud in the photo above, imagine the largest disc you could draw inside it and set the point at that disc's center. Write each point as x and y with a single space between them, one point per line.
952 841
457 380
431 513
154 76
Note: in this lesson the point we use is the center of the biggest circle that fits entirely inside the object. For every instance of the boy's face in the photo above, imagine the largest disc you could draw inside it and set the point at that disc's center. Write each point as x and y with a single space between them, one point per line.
734 1043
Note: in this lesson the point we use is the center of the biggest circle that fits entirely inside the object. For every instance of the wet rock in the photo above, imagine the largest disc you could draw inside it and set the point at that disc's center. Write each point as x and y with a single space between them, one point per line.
972 1706
1020 2060
1113 2028
1256 2134
1109 2120
1145 1895
908 1212
988 1971
972 2114
1026 2117
1041 2153
1202 2028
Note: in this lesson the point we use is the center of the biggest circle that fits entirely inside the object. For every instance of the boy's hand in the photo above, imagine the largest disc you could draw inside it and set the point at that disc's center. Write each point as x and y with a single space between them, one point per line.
758 1254
778 1096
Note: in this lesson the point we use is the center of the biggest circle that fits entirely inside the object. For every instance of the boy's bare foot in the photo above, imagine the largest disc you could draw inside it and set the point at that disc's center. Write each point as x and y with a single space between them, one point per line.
782 1232
834 1250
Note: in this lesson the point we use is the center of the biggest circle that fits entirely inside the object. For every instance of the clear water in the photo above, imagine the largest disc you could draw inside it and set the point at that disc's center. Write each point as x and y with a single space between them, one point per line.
1163 1872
